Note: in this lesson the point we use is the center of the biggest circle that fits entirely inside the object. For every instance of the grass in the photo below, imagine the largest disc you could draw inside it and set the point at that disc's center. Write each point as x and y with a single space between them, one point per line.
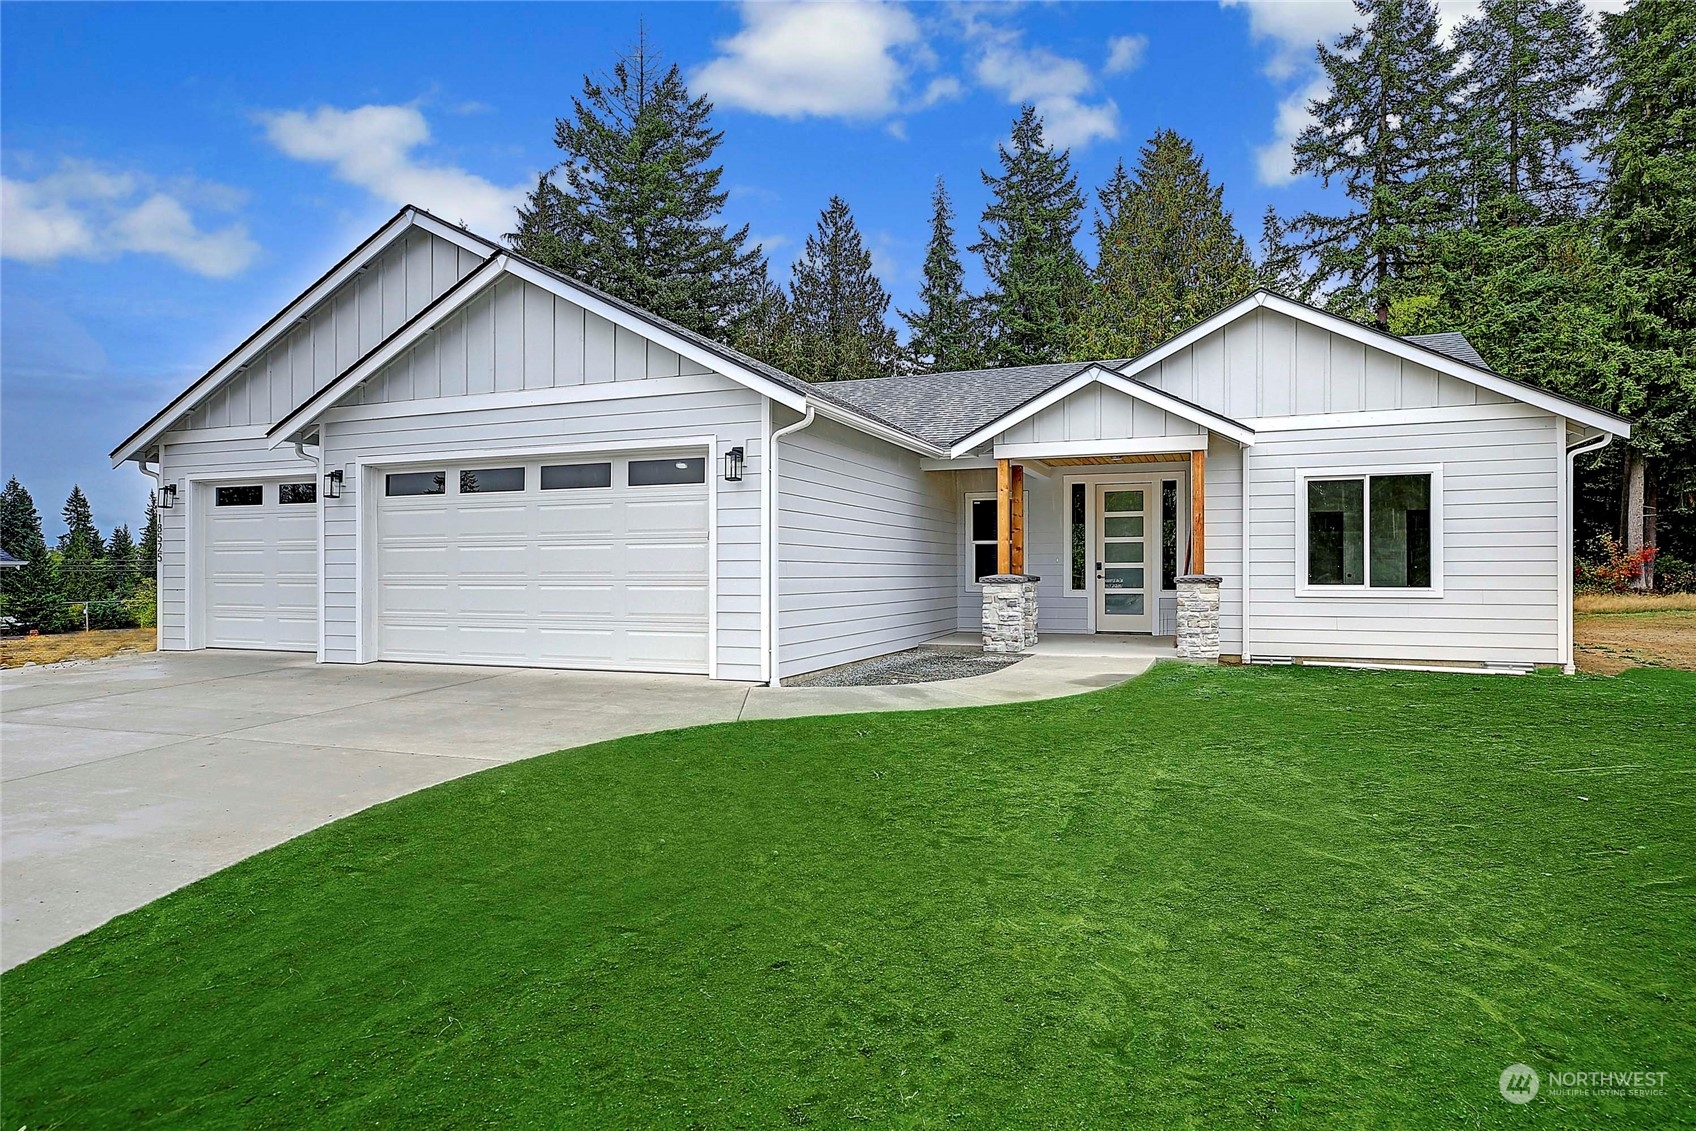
1206 898
1616 631
15 651
1586 603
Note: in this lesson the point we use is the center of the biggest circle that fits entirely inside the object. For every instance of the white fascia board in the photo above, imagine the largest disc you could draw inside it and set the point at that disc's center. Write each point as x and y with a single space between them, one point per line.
1075 449
678 345
263 339
1195 414
454 234
959 463
830 410
1442 363
308 413
1024 412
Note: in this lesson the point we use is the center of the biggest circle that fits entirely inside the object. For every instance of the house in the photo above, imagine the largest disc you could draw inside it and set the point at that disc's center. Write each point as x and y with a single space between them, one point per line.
443 452
7 561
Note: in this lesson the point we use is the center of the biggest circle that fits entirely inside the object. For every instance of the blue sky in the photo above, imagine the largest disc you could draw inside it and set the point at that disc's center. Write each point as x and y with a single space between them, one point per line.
176 174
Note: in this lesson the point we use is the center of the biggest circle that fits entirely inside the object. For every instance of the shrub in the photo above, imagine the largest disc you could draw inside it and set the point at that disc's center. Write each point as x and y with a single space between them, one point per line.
110 612
1674 576
1608 567
143 604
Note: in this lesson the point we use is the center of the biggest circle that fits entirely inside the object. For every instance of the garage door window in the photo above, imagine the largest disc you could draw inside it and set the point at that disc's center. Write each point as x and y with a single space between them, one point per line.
661 472
297 493
244 496
489 480
416 483
576 476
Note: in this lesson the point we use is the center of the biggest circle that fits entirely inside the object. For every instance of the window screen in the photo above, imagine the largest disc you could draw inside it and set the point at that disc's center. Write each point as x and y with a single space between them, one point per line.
576 476
488 480
297 493
660 472
415 483
244 496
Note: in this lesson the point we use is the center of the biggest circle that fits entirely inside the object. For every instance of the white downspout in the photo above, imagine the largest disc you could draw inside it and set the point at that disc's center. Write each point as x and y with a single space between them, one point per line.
317 462
157 474
769 485
1568 521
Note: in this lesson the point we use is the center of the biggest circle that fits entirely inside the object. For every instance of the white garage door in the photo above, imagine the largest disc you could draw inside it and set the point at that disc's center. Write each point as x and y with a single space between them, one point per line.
261 566
579 562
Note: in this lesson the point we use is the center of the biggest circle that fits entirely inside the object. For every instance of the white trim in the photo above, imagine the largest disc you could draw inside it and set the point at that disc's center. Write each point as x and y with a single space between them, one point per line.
833 411
1245 655
765 541
471 242
1029 409
1068 449
775 677
194 545
1303 590
711 471
1365 665
1569 454
181 436
318 505
186 401
959 463
532 398
1445 414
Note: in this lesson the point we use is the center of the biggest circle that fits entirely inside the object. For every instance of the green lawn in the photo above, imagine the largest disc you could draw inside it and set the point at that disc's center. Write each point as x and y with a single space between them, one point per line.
1208 898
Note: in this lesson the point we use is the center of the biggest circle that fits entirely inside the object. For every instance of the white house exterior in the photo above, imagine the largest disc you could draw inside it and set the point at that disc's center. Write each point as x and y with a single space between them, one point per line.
442 452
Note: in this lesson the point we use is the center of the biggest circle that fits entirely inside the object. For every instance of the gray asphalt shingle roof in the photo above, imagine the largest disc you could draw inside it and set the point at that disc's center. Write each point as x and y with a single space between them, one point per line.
1451 345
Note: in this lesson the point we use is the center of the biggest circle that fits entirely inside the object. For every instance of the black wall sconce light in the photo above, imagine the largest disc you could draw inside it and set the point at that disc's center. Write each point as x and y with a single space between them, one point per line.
167 496
733 460
333 484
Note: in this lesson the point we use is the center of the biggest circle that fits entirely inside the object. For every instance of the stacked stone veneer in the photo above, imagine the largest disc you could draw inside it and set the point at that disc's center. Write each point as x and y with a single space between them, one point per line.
1198 617
1009 612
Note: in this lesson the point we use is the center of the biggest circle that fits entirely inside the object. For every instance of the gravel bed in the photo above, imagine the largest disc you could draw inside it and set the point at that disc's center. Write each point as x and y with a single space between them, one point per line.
916 665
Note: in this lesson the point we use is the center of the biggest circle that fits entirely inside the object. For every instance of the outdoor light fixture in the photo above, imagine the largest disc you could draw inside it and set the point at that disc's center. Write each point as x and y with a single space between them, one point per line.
733 465
167 496
333 484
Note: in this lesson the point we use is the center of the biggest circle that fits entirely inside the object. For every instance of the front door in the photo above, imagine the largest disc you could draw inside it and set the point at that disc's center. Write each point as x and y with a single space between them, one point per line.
1123 602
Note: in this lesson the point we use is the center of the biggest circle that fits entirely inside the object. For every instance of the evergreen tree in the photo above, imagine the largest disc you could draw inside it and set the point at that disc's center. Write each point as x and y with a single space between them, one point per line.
839 305
81 535
766 330
944 332
1648 116
1038 281
1386 132
1279 269
148 552
1529 62
1168 253
634 207
121 566
30 592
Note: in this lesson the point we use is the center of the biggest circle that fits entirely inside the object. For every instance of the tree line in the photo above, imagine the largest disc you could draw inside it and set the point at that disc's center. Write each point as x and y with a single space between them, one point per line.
85 578
1529 182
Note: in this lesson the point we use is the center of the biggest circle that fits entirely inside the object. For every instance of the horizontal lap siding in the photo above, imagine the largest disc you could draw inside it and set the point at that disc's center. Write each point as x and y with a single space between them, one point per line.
1501 538
734 415
866 545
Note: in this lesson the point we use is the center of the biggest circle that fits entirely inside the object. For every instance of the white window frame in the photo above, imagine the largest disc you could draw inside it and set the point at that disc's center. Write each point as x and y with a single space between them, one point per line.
969 551
1108 473
1304 476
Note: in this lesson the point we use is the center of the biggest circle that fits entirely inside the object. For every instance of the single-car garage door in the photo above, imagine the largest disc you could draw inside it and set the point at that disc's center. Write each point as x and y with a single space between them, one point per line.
260 566
578 562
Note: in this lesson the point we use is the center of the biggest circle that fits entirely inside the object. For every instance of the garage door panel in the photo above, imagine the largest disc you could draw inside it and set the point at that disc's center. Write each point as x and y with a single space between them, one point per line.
602 577
259 572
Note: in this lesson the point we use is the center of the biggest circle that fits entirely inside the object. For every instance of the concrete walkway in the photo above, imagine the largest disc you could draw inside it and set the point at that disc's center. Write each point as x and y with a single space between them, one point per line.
127 778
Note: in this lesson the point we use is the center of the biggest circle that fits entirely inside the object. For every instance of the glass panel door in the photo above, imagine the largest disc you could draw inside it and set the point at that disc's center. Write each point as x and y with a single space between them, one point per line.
1123 600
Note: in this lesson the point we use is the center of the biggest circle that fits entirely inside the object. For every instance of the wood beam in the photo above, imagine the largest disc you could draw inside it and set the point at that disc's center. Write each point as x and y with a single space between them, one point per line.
1003 516
1017 531
1198 512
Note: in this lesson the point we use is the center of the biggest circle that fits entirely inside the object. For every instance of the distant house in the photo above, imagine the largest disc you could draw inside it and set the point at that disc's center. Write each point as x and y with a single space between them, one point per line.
443 452
7 561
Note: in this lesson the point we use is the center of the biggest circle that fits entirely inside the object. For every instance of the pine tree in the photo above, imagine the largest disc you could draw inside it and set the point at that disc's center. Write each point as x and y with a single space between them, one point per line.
80 532
1529 62
943 331
1038 281
634 207
766 330
1279 269
148 552
30 591
1386 131
1168 253
121 571
839 305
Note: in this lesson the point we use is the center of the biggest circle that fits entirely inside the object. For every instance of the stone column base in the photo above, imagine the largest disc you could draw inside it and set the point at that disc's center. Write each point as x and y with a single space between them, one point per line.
1009 612
1198 618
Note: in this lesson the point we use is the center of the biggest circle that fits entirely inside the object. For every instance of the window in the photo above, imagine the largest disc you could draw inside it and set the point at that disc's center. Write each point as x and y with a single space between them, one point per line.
1169 534
661 472
415 483
986 525
576 476
289 493
239 496
1370 531
488 480
1080 551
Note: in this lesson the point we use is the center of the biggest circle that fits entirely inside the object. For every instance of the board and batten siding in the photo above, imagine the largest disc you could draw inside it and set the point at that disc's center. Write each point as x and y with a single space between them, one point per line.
1501 532
516 336
733 414
1096 412
404 278
866 549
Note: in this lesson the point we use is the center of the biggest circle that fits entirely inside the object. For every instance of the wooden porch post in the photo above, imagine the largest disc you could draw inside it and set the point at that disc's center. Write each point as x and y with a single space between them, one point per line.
1017 532
1003 516
1198 511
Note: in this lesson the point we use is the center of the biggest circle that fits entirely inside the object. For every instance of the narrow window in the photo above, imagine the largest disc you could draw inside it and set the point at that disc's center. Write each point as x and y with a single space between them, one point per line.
1336 532
245 496
986 542
1169 534
297 493
662 472
576 476
1080 552
1401 531
488 480
415 483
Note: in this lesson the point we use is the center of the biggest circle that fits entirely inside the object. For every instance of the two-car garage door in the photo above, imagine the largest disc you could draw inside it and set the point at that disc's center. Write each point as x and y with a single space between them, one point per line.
583 562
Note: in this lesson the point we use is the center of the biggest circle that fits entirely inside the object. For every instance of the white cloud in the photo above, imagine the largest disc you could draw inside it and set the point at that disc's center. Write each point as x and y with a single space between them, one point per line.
1294 28
373 147
1124 53
826 60
1055 84
1275 159
84 211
